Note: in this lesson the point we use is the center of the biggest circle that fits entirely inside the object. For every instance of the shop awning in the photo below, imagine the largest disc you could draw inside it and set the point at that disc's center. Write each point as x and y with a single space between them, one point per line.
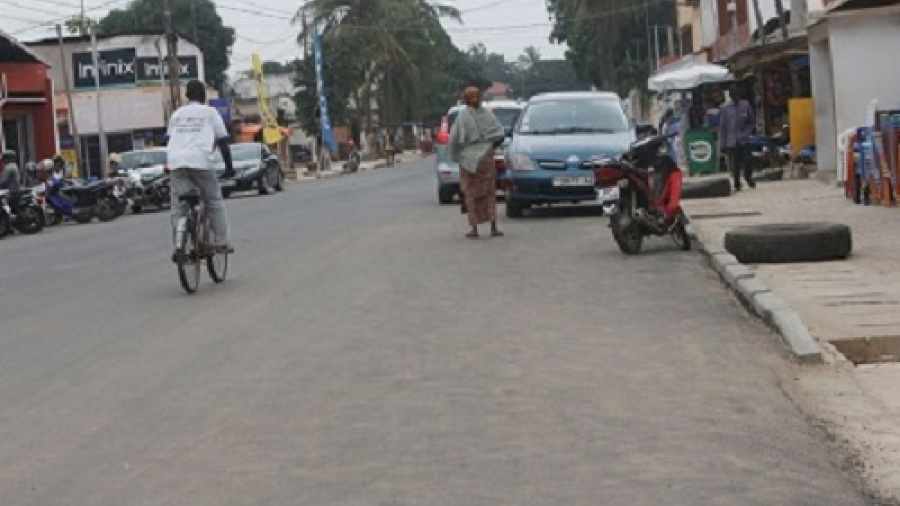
774 52
688 77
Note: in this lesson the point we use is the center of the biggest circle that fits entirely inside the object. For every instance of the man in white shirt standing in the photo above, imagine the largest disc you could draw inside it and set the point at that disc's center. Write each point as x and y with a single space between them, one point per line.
195 130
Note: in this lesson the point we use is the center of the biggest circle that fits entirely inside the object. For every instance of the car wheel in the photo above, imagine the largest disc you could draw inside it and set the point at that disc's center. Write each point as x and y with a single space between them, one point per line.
445 195
515 208
136 209
279 180
5 224
226 193
263 184
789 242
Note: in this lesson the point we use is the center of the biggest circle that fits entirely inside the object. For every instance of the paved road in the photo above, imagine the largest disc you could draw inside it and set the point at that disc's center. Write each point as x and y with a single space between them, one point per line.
363 353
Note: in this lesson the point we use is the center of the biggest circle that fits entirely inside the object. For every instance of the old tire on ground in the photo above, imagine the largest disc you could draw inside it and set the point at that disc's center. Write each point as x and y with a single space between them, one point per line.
706 188
789 242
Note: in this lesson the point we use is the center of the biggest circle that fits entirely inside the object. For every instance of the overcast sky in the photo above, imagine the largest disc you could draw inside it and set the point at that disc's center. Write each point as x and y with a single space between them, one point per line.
263 26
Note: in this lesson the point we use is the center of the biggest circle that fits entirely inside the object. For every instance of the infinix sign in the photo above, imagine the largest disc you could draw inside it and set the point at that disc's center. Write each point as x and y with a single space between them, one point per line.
117 68
149 70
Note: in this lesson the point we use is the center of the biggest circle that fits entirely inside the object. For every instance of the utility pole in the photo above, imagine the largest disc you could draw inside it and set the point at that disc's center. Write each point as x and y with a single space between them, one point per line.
174 65
101 132
73 126
671 39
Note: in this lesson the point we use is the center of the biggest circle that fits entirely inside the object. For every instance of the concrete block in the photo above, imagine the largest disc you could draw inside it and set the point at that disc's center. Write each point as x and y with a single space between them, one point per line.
735 272
711 249
765 304
797 337
748 288
720 260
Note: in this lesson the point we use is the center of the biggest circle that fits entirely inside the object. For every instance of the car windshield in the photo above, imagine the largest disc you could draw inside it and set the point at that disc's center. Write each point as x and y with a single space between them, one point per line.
241 153
142 159
507 116
574 115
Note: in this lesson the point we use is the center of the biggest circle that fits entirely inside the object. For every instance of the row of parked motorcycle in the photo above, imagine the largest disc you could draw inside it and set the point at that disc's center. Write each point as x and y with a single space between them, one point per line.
30 210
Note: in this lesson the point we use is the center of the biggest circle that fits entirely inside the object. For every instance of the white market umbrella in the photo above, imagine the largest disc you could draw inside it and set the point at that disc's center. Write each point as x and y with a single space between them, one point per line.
688 77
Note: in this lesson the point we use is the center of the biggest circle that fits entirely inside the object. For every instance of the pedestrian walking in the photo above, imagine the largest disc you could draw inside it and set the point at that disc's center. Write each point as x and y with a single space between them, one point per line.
473 138
736 124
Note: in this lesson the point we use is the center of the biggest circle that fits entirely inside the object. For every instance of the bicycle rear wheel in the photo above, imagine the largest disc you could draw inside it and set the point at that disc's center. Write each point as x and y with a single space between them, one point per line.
217 265
188 260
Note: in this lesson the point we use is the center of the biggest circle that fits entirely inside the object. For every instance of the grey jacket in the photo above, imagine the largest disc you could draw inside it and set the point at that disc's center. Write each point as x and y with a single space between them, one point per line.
737 123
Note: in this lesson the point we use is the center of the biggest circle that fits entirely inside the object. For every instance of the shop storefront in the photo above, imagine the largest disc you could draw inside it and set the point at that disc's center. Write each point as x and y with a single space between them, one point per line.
26 102
133 85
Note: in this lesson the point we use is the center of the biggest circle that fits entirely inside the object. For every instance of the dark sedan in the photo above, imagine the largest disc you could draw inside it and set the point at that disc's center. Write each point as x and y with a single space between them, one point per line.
257 169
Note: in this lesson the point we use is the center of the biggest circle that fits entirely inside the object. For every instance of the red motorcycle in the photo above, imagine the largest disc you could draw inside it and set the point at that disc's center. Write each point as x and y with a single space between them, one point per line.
641 194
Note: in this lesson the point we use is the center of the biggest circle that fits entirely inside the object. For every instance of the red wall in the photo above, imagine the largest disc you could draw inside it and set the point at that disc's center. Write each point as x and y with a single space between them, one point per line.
26 78
43 119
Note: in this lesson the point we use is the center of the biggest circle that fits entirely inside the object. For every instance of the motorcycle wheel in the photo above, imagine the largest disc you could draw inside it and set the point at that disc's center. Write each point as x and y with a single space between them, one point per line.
4 224
107 210
629 238
83 218
680 236
30 220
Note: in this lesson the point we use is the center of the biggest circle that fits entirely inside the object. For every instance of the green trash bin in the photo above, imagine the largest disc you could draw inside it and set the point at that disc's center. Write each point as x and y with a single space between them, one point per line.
702 151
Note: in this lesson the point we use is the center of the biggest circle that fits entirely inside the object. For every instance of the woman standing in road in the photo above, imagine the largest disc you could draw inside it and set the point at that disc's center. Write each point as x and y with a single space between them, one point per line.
473 138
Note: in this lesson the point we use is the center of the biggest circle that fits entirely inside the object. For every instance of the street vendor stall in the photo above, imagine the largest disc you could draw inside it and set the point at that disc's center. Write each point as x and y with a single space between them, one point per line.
694 139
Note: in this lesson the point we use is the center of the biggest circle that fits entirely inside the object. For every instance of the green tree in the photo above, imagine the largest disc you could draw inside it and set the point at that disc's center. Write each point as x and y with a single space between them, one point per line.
599 35
393 52
190 17
79 25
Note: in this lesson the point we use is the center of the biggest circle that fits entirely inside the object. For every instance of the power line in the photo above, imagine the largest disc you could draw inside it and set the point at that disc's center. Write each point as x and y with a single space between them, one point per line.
52 22
31 8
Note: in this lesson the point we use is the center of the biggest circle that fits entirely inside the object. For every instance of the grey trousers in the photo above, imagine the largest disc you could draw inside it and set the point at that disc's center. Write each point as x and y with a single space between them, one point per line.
205 181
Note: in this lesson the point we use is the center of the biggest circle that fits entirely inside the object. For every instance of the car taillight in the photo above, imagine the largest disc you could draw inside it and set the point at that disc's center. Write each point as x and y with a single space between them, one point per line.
500 163
446 175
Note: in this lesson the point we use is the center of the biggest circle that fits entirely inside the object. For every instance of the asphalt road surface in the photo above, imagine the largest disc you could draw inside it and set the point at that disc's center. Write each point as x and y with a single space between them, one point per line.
363 353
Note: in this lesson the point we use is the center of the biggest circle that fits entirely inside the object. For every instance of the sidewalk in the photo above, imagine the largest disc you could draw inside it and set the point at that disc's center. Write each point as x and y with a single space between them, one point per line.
851 306
337 167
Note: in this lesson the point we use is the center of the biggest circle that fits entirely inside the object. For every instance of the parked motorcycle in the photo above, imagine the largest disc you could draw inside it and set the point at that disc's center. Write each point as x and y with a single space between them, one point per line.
773 151
640 192
82 202
148 191
21 212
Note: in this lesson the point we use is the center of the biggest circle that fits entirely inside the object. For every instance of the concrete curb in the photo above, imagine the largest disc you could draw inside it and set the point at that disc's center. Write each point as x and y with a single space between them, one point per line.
762 302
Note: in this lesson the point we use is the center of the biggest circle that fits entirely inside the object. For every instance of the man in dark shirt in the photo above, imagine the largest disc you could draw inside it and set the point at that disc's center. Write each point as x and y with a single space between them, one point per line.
736 125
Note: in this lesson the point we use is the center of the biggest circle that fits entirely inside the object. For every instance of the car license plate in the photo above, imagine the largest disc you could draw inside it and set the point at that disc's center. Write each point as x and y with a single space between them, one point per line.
608 194
574 181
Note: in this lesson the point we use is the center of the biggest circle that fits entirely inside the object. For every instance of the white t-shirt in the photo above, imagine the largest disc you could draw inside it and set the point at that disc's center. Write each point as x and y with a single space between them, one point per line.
193 132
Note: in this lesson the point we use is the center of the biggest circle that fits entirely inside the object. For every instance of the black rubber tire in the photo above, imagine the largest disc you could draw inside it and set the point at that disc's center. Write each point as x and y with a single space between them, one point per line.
681 237
515 209
789 242
30 220
137 209
226 194
107 210
710 188
83 218
5 225
217 266
445 196
630 241
279 183
188 264
263 185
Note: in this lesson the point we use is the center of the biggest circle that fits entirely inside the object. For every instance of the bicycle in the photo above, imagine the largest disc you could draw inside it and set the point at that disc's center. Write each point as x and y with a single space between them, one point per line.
192 246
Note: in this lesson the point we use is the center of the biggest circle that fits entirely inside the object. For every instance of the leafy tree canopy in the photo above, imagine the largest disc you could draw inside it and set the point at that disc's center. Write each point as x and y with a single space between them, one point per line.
196 19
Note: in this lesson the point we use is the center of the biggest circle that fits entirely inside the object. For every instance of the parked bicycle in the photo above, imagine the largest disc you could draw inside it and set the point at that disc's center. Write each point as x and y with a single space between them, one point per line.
193 246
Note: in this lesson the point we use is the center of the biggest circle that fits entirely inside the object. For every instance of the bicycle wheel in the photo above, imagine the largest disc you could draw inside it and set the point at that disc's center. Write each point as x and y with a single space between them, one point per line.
217 265
188 259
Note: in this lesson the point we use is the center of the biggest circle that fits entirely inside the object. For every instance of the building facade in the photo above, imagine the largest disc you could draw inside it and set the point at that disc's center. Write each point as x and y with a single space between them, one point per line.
27 117
134 100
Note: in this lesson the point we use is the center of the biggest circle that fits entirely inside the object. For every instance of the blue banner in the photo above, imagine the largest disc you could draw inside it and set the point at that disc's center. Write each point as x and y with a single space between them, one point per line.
327 134
223 105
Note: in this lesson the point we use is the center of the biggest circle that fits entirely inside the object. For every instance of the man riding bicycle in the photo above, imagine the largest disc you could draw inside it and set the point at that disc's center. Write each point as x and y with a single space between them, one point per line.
194 132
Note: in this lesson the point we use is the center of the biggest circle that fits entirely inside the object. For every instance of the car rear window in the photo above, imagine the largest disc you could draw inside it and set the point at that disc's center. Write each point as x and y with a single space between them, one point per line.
141 159
507 116
574 115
